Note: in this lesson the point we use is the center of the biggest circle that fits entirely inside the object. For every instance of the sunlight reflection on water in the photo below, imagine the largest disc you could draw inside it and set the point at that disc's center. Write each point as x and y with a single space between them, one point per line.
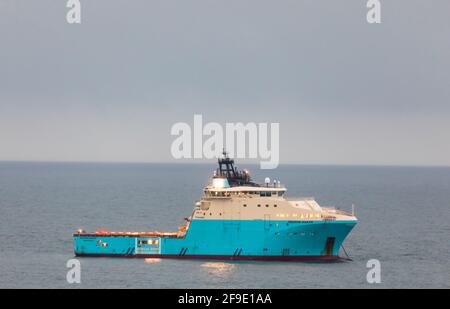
219 269
152 261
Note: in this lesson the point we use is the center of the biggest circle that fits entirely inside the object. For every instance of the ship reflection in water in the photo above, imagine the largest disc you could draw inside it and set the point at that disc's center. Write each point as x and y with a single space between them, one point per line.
219 269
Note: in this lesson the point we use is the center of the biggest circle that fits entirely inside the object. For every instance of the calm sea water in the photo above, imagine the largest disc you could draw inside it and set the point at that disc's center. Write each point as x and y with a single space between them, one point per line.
404 218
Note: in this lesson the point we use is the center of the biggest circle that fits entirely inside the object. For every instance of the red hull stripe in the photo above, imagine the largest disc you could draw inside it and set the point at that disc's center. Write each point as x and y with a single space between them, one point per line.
219 257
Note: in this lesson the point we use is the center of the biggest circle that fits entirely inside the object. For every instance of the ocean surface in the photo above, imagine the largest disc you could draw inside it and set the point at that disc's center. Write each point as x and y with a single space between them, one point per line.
404 215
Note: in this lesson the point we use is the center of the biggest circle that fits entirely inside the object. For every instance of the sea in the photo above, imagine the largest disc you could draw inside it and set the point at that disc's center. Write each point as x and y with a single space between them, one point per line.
403 212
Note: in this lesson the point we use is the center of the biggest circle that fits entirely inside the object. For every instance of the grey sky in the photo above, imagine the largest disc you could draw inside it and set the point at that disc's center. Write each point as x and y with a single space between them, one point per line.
344 91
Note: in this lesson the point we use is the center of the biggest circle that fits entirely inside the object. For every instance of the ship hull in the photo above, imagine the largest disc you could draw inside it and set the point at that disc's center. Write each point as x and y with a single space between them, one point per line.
219 257
279 240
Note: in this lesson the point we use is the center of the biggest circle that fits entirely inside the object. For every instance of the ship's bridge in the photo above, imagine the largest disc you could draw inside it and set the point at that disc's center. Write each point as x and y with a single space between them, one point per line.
229 181
214 191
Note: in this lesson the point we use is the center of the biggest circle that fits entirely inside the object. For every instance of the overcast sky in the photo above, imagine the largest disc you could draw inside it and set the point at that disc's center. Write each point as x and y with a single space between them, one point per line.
343 91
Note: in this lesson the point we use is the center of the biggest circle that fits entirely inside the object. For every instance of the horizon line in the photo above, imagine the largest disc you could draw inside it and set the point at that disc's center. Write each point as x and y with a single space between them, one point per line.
209 161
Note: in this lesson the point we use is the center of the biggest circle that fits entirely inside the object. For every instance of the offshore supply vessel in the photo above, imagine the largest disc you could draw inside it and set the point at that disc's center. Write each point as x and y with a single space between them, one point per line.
236 219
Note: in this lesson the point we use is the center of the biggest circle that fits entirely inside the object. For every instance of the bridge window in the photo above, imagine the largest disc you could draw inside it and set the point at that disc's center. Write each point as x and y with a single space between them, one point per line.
265 193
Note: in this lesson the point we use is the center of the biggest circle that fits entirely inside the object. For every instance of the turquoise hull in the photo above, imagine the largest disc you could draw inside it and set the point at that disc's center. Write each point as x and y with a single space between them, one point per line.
228 240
